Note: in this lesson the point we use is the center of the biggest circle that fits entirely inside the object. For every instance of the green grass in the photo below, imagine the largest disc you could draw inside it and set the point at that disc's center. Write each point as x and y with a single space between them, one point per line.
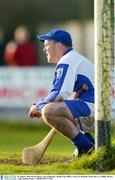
58 159
15 136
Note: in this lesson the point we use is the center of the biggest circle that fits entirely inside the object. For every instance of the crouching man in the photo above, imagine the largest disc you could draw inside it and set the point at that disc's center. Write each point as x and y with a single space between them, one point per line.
73 74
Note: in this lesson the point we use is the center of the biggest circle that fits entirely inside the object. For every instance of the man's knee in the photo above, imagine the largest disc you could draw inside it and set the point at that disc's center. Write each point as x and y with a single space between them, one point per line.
48 112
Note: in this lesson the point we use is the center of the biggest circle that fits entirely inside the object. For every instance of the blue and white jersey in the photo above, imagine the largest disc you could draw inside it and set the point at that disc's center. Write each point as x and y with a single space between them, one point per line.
72 71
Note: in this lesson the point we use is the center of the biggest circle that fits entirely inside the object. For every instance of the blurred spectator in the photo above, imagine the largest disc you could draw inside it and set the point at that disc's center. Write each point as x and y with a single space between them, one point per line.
26 52
9 54
2 46
21 52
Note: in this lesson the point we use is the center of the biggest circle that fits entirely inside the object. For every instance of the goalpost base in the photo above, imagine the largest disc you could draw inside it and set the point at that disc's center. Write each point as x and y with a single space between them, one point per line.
102 133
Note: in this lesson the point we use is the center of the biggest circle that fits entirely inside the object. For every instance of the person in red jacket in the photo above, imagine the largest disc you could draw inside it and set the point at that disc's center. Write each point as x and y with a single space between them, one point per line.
26 52
21 51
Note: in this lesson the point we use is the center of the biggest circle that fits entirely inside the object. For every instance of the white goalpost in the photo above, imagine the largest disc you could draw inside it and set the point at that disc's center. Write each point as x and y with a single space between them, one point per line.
104 69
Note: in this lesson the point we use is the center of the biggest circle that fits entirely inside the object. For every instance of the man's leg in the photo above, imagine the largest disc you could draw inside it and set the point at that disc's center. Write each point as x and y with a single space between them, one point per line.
58 115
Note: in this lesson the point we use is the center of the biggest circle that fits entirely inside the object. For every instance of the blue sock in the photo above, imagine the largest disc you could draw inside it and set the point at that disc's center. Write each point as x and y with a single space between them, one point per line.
90 137
81 141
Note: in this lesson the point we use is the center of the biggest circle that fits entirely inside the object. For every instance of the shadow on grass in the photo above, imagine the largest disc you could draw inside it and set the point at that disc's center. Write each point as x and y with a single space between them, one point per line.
45 161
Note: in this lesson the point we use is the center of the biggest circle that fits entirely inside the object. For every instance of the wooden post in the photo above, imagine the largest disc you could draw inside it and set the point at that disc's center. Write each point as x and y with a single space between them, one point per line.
102 71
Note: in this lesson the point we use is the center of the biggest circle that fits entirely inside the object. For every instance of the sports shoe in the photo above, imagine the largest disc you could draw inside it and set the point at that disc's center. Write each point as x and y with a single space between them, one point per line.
78 152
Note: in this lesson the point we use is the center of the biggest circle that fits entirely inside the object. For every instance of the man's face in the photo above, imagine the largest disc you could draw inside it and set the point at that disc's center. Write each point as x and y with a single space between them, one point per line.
51 49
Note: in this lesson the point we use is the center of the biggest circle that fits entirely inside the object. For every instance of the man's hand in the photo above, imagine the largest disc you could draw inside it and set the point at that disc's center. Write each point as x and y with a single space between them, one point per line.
33 113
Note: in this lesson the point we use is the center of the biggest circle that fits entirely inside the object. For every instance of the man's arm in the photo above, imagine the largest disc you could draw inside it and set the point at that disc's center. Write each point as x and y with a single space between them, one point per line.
63 86
33 113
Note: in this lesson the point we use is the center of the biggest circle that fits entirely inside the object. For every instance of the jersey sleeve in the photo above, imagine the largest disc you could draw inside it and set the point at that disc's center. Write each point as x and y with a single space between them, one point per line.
63 85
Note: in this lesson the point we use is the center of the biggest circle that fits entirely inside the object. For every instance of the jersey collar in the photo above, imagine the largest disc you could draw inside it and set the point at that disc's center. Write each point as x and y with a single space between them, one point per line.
68 50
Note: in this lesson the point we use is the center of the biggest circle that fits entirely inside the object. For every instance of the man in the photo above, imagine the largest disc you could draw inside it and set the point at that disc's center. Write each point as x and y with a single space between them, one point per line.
73 73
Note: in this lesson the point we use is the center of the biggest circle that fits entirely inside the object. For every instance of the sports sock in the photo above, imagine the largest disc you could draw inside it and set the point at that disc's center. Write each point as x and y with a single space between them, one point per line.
82 142
90 137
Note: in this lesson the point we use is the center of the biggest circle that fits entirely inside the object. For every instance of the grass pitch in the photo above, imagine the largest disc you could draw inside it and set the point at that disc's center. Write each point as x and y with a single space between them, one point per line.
58 159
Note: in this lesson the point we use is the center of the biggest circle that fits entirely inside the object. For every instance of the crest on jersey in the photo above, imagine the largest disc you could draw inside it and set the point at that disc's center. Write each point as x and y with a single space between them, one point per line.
59 73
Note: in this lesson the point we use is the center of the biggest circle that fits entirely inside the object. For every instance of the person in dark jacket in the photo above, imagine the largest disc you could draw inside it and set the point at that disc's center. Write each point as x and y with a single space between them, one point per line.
2 46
